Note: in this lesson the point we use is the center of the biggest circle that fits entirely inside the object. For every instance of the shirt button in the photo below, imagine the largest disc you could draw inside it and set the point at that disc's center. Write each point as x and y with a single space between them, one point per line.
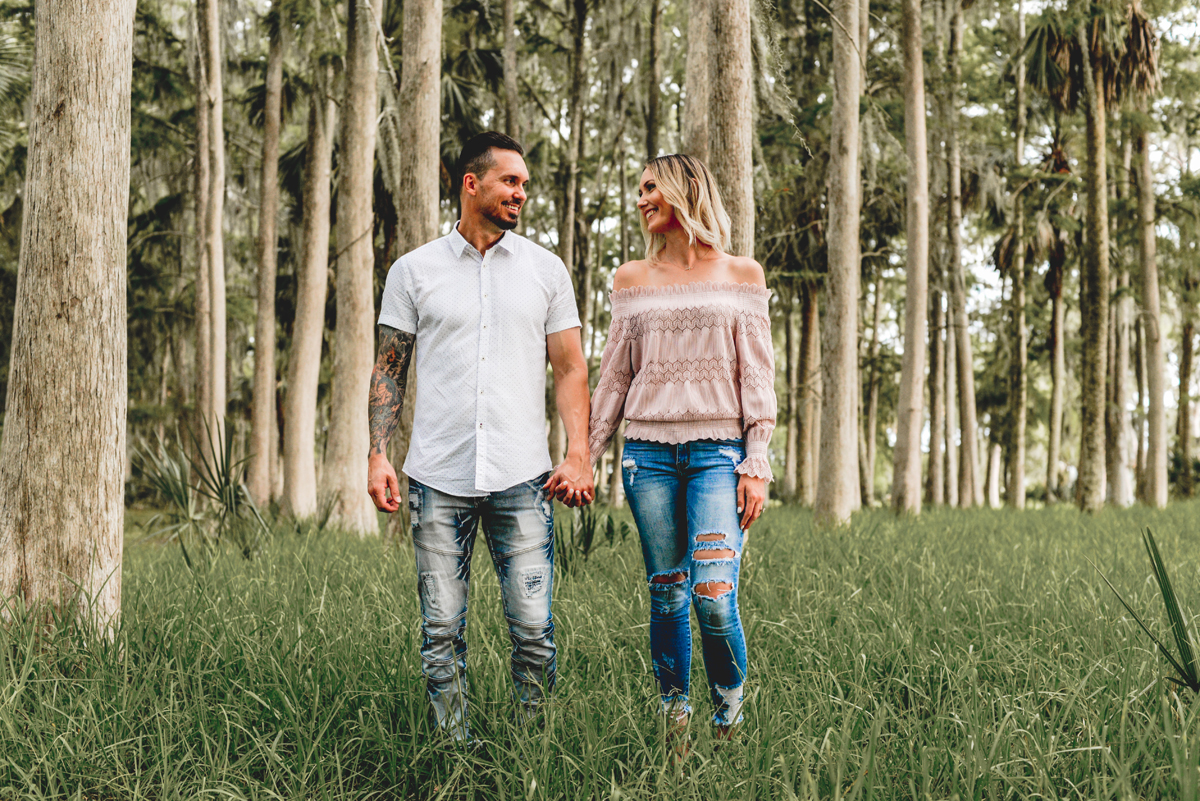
481 425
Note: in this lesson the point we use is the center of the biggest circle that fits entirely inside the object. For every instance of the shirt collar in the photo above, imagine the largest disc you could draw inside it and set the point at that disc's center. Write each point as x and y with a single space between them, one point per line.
459 243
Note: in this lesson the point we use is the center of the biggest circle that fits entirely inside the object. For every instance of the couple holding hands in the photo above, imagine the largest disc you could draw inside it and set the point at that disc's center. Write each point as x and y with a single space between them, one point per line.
689 365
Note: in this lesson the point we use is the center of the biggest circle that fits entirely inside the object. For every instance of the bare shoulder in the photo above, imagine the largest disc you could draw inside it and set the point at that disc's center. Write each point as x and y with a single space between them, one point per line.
631 273
746 270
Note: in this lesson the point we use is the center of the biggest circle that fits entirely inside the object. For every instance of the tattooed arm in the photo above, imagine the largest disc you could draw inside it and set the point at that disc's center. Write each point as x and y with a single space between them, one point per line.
389 379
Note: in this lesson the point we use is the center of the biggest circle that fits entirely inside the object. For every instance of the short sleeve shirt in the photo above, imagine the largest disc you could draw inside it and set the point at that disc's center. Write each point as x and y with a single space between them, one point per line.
481 322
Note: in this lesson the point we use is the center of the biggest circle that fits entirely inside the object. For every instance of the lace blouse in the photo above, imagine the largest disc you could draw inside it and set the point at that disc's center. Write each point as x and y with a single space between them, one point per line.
686 362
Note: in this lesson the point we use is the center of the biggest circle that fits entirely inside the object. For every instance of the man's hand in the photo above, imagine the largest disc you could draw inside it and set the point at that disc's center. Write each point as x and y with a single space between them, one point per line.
571 482
751 498
381 479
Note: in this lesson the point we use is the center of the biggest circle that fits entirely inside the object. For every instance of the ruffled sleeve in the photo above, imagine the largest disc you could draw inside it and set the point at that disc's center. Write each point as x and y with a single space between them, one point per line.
756 382
608 401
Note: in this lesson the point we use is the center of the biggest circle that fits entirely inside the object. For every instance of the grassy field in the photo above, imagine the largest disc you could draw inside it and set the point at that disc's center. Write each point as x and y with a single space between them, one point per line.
968 655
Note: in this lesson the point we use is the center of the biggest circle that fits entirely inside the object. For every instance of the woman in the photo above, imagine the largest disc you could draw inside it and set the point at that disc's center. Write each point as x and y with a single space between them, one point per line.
689 364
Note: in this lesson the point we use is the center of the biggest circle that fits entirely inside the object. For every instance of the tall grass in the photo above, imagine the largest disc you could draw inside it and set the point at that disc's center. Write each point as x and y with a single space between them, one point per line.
969 655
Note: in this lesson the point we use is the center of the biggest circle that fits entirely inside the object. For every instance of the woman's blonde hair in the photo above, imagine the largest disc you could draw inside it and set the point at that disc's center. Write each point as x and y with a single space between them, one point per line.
689 187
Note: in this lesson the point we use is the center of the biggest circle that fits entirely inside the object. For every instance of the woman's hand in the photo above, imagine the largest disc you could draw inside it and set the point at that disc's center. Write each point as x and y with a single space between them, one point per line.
751 498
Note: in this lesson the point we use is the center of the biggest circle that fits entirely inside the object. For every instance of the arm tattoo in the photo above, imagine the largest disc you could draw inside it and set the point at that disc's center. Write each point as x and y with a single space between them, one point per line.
389 380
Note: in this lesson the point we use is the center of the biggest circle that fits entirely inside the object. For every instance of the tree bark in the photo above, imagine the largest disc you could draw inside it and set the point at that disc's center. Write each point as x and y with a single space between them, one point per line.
910 416
1094 297
791 413
566 234
201 179
1054 279
1183 421
353 352
418 177
731 122
994 477
1156 416
807 440
312 286
950 476
654 78
1018 364
210 11
696 83
1139 427
512 104
871 434
262 454
936 492
64 428
969 489
837 481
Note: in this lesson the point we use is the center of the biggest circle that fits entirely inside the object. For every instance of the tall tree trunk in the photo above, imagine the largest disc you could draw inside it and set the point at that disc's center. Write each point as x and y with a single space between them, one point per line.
353 352
791 414
837 480
512 104
696 83
566 233
1094 301
1120 476
1183 422
419 161
1018 396
262 454
950 476
62 455
1140 419
807 426
654 78
312 286
731 121
995 478
1054 285
1156 416
201 179
936 491
872 399
969 490
210 30
910 416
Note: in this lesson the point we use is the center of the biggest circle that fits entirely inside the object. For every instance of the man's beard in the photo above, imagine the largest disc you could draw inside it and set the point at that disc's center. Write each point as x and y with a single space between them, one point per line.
500 222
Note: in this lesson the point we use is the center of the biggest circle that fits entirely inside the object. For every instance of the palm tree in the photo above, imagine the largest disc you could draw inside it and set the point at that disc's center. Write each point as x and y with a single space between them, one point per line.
1096 56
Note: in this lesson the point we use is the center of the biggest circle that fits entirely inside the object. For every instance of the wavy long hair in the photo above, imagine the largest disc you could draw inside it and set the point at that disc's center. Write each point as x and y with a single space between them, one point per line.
690 189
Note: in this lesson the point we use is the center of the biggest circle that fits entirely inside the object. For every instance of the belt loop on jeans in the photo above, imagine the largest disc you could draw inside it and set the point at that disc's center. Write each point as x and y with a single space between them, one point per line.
682 454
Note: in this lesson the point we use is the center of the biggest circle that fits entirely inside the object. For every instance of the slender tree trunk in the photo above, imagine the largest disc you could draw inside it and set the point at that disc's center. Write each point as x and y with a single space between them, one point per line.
201 180
512 103
995 475
808 426
654 77
262 454
1156 416
354 340
1121 477
312 286
418 186
731 121
936 492
696 84
910 417
1054 279
969 490
1094 300
792 353
62 453
872 399
836 483
951 432
215 215
1183 422
566 235
1018 366
1139 427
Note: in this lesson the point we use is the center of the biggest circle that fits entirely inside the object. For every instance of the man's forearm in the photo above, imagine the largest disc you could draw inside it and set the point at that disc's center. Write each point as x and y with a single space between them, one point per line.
389 380
571 393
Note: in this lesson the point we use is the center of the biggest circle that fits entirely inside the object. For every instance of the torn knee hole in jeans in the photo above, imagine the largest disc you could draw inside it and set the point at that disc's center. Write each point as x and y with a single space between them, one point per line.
713 589
710 553
668 579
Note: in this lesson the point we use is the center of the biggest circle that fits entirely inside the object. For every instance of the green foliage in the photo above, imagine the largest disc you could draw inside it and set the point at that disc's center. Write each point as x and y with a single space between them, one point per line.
577 533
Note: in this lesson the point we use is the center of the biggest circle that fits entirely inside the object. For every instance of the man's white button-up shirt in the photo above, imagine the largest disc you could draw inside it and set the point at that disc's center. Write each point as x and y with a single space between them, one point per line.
481 322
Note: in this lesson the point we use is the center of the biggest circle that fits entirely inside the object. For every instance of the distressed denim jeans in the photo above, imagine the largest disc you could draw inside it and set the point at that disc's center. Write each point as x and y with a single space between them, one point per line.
518 525
684 501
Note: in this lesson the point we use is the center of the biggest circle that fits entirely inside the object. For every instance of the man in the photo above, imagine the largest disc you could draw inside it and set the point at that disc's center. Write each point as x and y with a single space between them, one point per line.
483 308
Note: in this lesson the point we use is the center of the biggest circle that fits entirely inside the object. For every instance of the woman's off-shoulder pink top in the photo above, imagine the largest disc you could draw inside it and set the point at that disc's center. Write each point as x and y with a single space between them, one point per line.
686 362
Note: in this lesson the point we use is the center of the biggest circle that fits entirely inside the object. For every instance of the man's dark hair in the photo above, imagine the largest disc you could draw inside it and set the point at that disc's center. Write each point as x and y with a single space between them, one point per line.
476 156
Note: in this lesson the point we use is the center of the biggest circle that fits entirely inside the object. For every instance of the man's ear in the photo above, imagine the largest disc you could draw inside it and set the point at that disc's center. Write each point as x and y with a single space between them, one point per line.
470 184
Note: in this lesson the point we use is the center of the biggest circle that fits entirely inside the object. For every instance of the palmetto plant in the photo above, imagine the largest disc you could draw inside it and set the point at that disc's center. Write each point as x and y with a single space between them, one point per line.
1188 675
216 509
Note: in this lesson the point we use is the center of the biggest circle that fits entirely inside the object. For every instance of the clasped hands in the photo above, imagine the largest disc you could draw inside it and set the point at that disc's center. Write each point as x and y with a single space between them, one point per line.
571 483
